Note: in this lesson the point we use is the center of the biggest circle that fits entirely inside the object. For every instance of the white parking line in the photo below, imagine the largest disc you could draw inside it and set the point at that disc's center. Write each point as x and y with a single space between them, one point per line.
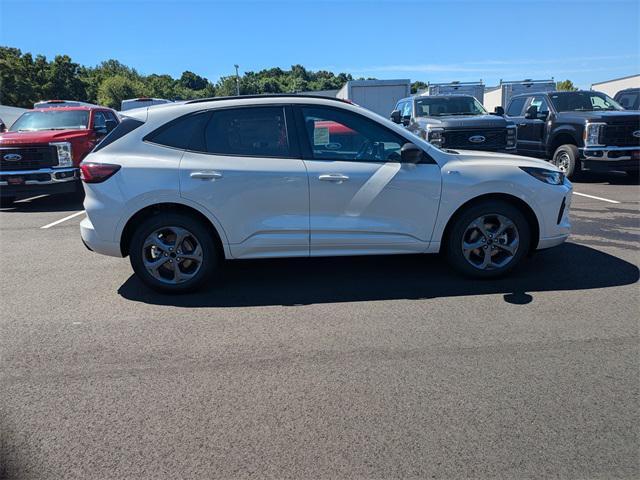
595 198
32 198
53 224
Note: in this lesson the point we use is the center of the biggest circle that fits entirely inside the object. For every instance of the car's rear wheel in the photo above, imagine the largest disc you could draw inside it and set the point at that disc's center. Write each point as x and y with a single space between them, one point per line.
488 239
567 159
173 253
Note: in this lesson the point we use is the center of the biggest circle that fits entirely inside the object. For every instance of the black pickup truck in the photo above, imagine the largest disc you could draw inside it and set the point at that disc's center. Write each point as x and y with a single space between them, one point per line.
456 121
576 131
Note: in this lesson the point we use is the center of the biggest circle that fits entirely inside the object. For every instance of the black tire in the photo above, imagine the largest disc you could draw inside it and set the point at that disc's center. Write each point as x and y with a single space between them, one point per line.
567 159
7 201
453 243
210 256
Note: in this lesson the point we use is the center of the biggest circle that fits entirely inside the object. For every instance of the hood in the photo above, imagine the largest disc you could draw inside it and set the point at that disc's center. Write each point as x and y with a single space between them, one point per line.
43 136
483 158
608 116
466 121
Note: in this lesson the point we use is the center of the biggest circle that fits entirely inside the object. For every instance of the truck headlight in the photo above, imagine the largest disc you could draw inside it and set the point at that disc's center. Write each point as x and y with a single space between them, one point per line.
435 136
592 133
65 157
512 136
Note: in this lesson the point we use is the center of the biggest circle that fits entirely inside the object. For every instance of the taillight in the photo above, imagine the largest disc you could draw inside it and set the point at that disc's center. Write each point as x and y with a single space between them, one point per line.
97 172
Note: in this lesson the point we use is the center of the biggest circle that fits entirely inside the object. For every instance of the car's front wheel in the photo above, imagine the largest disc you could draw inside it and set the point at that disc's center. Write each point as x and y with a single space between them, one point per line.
488 239
173 253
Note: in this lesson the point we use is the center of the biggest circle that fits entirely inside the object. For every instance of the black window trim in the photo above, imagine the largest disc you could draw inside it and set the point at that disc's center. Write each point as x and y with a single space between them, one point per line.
305 146
294 149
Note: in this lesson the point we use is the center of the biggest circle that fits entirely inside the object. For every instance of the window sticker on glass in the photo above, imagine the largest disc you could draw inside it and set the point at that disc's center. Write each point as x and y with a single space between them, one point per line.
321 136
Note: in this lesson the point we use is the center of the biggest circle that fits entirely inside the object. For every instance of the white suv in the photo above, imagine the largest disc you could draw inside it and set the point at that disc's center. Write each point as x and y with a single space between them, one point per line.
181 187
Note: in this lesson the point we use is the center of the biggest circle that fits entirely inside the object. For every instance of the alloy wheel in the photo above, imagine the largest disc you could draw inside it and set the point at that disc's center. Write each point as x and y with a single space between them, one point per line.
172 255
490 242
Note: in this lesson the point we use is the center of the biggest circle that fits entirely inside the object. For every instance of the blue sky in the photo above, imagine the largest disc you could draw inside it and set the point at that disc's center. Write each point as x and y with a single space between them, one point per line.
585 41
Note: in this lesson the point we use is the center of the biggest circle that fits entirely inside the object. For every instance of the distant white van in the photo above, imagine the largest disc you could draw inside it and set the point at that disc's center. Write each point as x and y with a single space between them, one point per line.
141 102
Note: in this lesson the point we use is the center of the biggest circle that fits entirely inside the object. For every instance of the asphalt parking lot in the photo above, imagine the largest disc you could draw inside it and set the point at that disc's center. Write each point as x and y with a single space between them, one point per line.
369 367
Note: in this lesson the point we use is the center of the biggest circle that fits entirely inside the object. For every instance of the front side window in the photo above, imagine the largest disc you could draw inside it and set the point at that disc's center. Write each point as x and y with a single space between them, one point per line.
336 134
250 131
583 102
541 104
515 107
99 120
406 111
51 120
455 105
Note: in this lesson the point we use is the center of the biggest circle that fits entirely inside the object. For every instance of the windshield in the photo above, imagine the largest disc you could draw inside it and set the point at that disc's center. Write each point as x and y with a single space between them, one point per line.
583 102
51 120
441 106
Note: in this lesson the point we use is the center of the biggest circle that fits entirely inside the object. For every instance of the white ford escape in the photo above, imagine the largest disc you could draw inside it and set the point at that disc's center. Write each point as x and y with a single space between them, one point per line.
181 187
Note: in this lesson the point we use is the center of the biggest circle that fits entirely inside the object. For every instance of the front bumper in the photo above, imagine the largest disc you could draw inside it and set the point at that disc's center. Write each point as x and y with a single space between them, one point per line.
44 180
611 158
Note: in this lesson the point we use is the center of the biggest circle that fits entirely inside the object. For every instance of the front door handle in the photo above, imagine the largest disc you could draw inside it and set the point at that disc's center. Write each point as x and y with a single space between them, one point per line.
206 175
333 177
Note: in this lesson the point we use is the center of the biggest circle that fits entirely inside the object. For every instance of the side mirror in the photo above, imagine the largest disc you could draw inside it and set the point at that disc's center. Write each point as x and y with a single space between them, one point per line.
532 112
395 116
410 153
111 124
499 111
406 120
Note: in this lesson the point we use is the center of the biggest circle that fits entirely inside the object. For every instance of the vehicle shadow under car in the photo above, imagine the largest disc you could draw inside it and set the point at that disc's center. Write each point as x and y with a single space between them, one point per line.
351 279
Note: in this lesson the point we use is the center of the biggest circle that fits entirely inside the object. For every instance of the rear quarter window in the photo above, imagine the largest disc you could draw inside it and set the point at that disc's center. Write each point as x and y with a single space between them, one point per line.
183 133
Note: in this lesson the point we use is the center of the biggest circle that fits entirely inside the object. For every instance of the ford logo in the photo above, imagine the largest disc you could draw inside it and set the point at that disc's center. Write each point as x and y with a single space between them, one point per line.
12 157
636 134
477 139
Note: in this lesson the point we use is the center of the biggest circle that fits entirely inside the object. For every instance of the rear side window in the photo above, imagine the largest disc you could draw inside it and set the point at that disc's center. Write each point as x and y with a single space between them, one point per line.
252 131
183 132
124 127
515 107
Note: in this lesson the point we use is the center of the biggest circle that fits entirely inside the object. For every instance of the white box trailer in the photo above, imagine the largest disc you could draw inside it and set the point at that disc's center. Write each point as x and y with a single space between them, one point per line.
475 89
379 96
499 96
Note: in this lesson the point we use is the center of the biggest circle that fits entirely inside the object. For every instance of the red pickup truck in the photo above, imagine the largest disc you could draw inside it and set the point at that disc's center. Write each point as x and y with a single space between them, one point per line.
41 151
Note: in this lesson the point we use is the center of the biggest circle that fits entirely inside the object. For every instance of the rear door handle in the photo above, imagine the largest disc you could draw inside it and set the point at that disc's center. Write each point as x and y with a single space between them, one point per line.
333 177
206 175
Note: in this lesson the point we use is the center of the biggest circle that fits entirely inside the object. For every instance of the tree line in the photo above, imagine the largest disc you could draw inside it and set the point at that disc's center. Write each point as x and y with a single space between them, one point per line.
25 79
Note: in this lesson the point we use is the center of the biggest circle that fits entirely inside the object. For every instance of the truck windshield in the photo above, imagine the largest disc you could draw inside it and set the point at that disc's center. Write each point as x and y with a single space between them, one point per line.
443 106
582 102
51 120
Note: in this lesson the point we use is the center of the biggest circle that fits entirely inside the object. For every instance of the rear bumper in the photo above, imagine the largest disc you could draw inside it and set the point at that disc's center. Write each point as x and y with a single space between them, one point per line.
611 158
44 180
96 244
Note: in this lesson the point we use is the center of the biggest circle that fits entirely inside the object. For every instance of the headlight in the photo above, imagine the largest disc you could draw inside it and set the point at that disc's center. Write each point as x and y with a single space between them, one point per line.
512 136
435 136
65 158
592 133
547 176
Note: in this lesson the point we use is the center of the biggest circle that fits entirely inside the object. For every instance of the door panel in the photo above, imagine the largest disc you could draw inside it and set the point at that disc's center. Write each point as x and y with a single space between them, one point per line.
248 180
531 130
362 198
379 208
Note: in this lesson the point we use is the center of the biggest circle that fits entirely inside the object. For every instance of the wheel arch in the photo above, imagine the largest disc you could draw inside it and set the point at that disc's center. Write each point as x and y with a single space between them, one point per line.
562 137
520 204
159 208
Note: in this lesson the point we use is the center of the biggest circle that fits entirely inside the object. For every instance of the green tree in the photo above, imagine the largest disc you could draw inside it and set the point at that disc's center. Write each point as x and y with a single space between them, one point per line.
115 89
566 85
63 80
192 81
418 85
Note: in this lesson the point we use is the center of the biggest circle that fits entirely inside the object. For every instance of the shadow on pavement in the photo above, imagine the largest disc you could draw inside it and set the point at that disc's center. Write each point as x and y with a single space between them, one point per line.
351 279
51 203
611 178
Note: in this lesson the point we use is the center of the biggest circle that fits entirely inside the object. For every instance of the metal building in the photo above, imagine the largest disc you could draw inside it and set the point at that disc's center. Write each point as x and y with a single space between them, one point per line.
475 89
611 87
500 95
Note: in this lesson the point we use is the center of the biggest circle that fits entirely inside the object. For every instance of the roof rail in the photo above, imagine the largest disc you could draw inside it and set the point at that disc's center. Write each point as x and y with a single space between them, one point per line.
268 95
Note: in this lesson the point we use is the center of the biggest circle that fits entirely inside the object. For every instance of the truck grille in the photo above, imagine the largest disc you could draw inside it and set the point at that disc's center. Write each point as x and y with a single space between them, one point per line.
495 139
33 157
621 134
